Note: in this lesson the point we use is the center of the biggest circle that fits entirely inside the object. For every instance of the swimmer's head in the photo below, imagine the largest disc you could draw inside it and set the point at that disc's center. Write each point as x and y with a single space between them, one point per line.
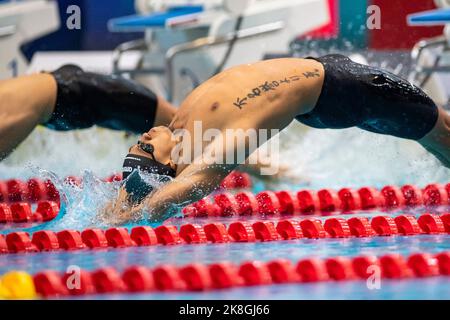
150 155
160 140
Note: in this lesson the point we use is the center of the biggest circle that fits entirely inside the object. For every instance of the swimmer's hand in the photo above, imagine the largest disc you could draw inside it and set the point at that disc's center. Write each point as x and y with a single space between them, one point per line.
119 211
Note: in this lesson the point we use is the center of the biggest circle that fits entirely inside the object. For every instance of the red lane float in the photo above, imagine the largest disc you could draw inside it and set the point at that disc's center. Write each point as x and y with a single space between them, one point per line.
370 198
144 236
288 203
37 190
34 190
289 229
446 220
365 266
412 195
384 226
21 212
3 192
20 242
308 202
392 197
167 278
217 233
5 213
247 203
237 180
337 228
3 245
196 277
70 240
78 283
47 209
313 228
394 266
254 273
312 270
119 238
407 225
193 233
282 271
431 224
227 204
239 231
435 195
45 240
242 232
350 200
324 202
265 231
360 227
339 268
268 203
168 235
225 275
94 238
108 280
329 201
138 279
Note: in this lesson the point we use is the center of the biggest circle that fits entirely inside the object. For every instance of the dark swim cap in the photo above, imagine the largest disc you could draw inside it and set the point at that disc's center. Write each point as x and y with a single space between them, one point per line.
135 186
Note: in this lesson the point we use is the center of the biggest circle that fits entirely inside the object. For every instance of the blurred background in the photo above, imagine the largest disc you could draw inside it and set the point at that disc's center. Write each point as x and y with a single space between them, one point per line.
172 46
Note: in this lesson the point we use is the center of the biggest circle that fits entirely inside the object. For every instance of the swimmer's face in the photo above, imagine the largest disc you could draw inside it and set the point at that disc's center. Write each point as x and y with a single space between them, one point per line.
161 140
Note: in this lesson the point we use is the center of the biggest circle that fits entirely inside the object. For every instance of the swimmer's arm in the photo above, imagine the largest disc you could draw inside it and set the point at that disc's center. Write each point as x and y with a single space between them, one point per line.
193 184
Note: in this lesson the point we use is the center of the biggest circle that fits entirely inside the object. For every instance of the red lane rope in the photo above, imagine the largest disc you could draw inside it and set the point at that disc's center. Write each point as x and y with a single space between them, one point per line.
16 196
21 212
30 191
34 190
240 231
325 201
226 275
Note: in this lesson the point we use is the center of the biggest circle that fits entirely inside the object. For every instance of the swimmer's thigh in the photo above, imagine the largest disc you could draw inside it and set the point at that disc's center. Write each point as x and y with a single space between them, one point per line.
371 99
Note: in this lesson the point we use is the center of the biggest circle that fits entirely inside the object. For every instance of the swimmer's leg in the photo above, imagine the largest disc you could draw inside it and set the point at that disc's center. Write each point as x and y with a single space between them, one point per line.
70 99
25 102
85 99
355 95
437 141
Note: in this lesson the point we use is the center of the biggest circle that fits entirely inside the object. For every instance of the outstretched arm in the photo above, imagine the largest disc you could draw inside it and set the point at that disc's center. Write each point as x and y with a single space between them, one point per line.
193 184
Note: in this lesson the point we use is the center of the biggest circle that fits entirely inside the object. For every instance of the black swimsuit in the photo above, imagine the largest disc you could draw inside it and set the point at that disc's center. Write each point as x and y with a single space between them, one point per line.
85 99
355 95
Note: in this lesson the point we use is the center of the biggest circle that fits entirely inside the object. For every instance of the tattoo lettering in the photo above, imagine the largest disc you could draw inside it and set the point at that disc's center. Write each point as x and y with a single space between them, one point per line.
310 74
273 85
240 102
266 87
256 92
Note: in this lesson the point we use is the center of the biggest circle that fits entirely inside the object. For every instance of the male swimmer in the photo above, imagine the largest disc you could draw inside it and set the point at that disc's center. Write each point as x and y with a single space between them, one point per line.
328 92
70 98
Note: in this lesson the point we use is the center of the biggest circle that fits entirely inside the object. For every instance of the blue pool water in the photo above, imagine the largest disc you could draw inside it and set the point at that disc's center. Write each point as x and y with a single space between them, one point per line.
293 250
435 288
320 160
